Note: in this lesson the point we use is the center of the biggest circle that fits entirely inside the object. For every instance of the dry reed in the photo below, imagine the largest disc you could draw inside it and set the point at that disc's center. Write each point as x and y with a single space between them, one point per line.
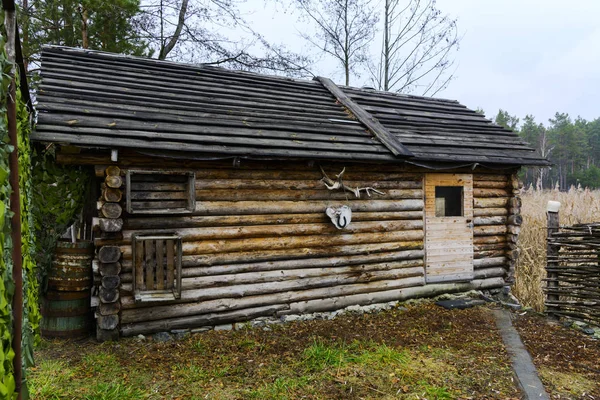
577 206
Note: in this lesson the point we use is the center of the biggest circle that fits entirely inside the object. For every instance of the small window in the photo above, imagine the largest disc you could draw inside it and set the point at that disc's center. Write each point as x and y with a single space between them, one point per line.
151 192
156 267
448 201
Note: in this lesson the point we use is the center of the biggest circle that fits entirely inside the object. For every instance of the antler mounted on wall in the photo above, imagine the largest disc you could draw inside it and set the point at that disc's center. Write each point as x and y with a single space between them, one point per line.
339 184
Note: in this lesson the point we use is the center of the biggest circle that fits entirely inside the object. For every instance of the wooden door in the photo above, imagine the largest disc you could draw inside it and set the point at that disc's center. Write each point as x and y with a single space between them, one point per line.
448 227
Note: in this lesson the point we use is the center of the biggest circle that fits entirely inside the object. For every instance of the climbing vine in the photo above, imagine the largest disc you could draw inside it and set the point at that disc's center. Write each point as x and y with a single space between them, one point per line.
7 379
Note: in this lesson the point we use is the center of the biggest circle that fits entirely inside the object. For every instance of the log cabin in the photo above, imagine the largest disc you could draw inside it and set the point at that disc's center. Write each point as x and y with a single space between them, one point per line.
223 196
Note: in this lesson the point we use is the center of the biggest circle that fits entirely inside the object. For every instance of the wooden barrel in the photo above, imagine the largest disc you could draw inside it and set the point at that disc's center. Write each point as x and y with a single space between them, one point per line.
66 311
66 314
71 269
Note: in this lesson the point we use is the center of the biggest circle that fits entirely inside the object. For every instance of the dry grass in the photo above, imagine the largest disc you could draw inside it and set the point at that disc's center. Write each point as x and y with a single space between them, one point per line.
577 206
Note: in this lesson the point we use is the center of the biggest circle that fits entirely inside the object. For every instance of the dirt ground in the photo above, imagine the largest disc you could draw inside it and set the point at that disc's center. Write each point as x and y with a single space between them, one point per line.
567 360
418 352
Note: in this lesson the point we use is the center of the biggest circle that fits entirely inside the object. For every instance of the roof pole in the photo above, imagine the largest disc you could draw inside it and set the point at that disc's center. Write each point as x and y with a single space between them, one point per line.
15 198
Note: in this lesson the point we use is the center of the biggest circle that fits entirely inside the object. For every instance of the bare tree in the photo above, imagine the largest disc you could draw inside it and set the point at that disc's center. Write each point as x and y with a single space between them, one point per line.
345 29
416 50
190 31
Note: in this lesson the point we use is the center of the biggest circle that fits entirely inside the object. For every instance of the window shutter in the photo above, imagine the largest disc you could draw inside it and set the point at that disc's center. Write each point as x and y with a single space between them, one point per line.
152 192
157 267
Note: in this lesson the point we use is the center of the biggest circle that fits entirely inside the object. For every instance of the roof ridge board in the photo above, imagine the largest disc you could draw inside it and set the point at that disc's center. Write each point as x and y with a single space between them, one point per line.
388 140
191 87
77 53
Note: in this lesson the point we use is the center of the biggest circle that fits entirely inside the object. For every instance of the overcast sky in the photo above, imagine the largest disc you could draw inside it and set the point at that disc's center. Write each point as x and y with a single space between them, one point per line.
524 56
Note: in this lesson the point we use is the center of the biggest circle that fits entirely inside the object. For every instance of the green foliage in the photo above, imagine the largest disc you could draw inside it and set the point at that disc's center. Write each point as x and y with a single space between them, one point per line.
7 379
503 118
58 196
110 26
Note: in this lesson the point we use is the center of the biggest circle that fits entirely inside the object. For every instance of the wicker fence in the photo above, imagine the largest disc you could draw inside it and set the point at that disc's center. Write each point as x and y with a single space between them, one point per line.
573 267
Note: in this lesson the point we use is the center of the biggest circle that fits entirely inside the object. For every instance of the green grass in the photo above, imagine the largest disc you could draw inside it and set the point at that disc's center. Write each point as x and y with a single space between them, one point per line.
376 356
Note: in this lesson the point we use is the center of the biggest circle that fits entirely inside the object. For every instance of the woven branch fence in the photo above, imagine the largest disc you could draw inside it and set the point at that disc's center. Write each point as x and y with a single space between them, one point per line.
573 272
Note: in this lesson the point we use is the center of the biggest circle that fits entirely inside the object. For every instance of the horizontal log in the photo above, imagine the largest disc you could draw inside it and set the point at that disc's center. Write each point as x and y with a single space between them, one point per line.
111 282
275 243
490 193
108 295
111 210
295 195
172 222
109 254
253 289
114 181
109 308
477 184
225 304
490 178
281 230
109 269
490 212
107 322
112 195
489 247
500 202
283 184
336 302
287 207
403 269
407 258
489 262
489 273
489 230
489 239
200 320
479 221
108 224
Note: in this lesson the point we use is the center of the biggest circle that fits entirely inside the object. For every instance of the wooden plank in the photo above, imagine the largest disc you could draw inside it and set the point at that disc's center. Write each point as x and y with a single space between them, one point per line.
170 264
160 265
139 265
150 264
366 119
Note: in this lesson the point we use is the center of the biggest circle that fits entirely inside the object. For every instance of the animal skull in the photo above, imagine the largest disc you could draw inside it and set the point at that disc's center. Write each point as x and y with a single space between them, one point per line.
340 216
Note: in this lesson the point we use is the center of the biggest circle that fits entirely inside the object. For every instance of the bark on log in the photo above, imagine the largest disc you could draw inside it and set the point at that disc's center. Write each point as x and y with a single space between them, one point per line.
108 296
489 273
286 207
110 269
112 195
113 170
334 303
107 322
489 262
224 304
176 222
109 308
490 212
490 193
276 243
479 221
113 181
111 282
107 336
111 210
493 230
109 254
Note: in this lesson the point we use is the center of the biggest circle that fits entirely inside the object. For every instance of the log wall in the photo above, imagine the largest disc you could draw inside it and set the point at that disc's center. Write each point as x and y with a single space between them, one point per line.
259 243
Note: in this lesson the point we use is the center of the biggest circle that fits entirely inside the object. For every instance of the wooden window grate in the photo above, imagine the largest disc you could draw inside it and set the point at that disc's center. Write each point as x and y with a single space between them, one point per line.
154 192
157 267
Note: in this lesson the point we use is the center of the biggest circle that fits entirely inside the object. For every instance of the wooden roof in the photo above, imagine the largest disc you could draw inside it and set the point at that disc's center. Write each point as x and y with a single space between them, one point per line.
96 99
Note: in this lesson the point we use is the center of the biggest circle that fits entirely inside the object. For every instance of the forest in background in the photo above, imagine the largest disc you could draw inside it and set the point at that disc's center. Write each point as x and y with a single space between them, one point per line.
571 144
